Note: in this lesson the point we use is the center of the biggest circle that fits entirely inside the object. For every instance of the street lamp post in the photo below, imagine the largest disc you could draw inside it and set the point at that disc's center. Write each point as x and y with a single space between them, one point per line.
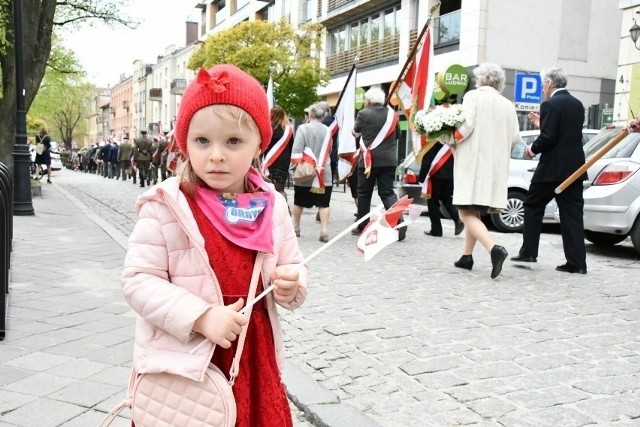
21 157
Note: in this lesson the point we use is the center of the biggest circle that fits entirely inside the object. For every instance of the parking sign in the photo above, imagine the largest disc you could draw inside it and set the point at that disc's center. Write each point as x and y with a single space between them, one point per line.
527 92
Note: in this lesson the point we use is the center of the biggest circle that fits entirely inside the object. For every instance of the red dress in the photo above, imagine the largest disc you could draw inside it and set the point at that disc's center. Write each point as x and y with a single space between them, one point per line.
260 395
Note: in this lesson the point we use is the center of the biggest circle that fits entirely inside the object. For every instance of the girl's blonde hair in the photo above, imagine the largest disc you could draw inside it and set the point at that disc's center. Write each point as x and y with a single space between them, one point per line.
187 176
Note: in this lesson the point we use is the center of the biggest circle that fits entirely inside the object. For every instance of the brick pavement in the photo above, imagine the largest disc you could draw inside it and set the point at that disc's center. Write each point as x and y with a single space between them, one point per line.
406 338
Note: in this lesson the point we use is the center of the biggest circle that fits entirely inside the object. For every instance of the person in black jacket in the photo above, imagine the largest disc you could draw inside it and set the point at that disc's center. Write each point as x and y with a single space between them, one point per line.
279 163
45 157
114 169
560 147
437 167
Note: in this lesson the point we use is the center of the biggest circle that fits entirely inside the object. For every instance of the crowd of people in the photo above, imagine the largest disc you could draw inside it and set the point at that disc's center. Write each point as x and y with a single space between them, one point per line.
143 160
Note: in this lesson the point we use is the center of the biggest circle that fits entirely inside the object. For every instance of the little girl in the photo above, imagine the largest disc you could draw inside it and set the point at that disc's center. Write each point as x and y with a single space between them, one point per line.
191 253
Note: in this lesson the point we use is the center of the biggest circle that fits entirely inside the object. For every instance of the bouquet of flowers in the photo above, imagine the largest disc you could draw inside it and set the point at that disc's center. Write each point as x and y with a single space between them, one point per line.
439 121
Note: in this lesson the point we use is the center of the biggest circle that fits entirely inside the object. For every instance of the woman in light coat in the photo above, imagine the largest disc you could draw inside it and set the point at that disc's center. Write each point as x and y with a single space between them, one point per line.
481 166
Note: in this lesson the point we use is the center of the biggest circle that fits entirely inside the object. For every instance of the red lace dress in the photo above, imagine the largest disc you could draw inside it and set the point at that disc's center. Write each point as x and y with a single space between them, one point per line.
258 389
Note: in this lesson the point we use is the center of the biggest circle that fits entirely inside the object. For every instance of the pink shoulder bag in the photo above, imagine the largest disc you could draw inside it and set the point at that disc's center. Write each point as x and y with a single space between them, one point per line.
164 399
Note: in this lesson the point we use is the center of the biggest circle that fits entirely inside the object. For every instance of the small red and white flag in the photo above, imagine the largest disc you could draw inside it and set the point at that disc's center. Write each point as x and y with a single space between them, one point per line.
270 100
383 230
345 120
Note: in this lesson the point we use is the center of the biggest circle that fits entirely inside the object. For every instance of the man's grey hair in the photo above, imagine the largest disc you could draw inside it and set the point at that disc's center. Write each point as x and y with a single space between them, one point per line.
489 74
556 75
326 106
375 95
316 111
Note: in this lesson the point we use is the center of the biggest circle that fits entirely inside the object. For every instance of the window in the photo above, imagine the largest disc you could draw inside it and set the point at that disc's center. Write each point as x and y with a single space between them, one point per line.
376 24
354 36
307 10
222 12
339 40
364 32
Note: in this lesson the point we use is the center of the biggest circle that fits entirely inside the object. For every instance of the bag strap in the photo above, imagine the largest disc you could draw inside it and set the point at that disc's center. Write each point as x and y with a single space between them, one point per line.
235 365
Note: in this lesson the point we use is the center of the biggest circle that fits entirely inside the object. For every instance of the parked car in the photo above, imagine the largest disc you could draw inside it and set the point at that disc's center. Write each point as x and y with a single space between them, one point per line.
612 194
520 173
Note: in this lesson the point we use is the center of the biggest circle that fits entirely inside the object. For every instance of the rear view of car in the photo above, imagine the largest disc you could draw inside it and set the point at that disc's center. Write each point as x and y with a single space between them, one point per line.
612 196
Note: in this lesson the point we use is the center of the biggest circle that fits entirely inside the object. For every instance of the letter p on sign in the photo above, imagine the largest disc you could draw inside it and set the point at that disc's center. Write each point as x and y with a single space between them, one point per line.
528 88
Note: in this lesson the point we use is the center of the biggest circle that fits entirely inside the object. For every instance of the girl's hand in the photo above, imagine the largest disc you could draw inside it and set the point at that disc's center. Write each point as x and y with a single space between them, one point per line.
285 279
221 324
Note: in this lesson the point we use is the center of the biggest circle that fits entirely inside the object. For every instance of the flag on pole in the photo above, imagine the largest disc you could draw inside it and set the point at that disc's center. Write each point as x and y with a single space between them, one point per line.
383 230
345 120
416 90
270 93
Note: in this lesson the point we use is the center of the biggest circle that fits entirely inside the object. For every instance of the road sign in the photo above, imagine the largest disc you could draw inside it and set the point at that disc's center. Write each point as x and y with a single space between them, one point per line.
527 91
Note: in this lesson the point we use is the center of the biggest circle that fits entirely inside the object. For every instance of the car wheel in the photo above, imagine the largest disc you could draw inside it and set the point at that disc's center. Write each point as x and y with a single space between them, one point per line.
510 220
603 239
635 235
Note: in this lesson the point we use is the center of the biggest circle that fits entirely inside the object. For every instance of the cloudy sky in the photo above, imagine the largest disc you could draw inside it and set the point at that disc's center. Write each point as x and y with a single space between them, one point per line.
106 53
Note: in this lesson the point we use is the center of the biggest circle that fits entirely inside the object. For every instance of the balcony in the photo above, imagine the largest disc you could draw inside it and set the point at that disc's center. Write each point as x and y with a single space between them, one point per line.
446 30
178 86
155 94
112 110
380 51
125 105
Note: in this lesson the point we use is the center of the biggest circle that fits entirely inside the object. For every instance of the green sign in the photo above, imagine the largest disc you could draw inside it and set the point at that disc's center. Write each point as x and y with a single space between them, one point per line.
439 94
359 98
454 79
607 116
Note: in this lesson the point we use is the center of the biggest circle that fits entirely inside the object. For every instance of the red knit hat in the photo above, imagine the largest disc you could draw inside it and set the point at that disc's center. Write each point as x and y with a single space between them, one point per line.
224 84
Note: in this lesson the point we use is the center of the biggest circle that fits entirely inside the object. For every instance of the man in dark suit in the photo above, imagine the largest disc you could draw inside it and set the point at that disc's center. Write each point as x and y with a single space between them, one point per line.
375 125
560 147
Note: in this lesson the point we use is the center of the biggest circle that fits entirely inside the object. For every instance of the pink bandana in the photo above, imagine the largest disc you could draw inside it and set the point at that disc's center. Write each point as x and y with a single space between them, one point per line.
243 218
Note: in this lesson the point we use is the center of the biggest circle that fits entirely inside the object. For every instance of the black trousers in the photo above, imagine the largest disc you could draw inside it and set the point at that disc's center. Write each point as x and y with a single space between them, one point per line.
571 205
441 191
383 177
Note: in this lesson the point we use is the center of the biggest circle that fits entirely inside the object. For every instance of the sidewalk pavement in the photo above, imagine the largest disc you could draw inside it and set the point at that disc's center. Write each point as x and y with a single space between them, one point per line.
67 354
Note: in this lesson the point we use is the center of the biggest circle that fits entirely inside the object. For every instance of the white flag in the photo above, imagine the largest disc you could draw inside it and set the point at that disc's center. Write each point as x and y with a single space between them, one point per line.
270 93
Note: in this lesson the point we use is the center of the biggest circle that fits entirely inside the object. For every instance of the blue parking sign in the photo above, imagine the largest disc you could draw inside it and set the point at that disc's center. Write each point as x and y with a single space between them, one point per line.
528 88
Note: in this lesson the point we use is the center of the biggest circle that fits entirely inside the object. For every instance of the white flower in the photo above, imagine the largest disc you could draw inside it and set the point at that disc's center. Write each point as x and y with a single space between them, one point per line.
441 118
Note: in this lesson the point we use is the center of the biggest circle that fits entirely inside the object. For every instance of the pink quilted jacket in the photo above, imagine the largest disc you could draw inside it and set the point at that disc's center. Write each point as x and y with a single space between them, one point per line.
168 281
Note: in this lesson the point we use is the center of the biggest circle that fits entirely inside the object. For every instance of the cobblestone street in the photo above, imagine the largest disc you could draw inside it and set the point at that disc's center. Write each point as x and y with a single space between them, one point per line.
410 340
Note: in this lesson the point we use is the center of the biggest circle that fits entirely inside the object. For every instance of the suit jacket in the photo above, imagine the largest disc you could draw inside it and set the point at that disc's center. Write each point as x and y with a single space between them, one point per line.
560 140
125 150
369 121
143 148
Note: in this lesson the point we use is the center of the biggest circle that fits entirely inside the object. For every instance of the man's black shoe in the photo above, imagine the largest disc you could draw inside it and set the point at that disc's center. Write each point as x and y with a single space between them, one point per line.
356 231
402 233
524 258
431 233
566 268
459 228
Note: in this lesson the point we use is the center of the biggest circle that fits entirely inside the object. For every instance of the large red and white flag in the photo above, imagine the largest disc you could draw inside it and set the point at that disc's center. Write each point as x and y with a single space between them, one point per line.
345 120
416 90
383 230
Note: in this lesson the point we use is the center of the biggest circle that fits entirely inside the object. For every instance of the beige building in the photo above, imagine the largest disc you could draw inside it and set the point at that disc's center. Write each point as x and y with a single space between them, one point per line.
121 107
627 100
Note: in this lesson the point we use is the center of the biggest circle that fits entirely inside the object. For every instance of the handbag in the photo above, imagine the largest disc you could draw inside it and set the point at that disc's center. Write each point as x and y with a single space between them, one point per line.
304 171
164 399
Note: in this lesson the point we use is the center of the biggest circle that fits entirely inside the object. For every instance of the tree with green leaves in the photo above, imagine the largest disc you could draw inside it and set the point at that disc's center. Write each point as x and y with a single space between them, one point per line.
39 19
261 47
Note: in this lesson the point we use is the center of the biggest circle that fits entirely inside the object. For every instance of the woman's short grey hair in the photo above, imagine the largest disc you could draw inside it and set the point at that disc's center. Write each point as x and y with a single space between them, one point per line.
489 74
556 75
375 95
316 111
326 106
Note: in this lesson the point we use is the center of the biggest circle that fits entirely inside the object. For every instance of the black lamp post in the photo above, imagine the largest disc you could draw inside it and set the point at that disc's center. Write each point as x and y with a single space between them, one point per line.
634 33
21 157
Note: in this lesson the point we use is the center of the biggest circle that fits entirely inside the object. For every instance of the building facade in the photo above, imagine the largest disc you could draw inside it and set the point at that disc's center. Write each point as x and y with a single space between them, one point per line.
582 36
121 107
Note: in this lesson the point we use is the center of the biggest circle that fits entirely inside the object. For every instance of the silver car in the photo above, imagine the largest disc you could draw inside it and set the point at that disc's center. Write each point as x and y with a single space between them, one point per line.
612 194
